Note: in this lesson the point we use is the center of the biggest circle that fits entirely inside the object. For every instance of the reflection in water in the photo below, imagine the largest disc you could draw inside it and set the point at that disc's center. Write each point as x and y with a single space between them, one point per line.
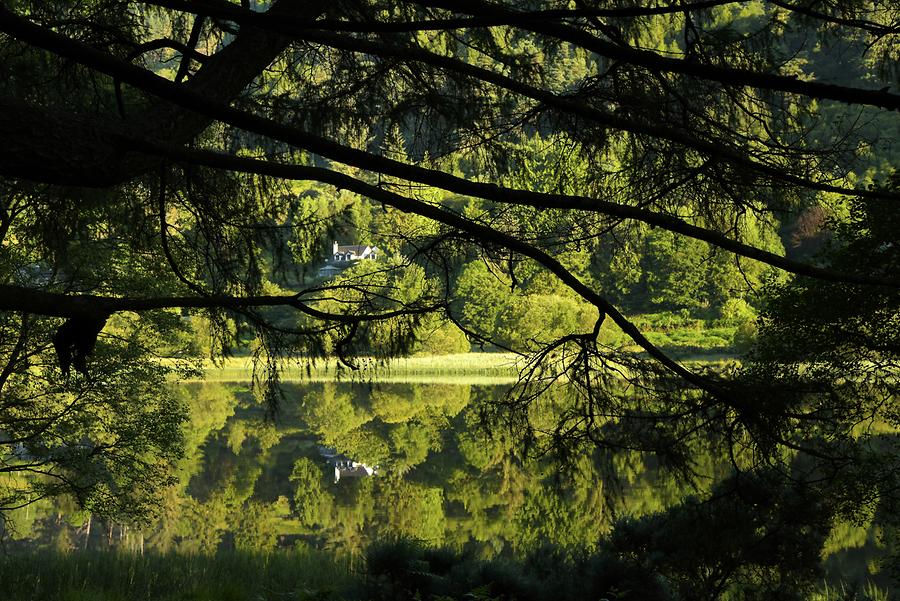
303 479
344 467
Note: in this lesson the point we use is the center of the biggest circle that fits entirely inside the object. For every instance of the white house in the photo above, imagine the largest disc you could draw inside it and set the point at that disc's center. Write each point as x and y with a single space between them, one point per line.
356 252
348 468
344 467
343 256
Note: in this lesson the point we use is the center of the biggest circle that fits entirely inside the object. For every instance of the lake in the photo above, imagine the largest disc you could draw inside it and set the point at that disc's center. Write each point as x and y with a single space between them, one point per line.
251 482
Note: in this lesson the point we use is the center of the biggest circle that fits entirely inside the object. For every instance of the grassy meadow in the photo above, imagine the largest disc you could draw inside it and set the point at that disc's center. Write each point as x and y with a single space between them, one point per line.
462 368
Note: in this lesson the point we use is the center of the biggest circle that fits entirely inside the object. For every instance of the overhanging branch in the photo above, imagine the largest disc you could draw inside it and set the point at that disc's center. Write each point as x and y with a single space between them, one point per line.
53 304
654 62
511 196
18 163
224 10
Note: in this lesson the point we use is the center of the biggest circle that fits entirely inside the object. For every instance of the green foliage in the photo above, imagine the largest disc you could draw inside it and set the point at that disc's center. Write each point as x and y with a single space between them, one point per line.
745 336
411 442
478 449
414 511
257 527
513 318
441 338
310 499
548 515
736 311
111 440
544 318
674 274
481 294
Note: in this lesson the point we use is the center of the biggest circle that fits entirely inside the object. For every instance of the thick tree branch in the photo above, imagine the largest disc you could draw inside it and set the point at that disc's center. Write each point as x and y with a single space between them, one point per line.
193 39
224 10
725 75
58 167
160 43
523 198
435 213
33 147
12 358
53 304
208 105
871 27
716 149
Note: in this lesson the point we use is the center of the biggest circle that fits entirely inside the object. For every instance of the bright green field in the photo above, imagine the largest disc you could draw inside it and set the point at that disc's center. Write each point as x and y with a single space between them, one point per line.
464 368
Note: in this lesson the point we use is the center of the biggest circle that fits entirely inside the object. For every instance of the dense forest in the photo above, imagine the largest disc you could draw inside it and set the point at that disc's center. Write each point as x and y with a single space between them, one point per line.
679 218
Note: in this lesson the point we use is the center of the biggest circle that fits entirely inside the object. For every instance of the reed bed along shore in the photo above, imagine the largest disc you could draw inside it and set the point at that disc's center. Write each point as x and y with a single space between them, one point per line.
463 368
475 369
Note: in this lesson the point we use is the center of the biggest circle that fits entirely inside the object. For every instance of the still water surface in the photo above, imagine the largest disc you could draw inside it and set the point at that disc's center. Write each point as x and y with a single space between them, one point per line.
248 482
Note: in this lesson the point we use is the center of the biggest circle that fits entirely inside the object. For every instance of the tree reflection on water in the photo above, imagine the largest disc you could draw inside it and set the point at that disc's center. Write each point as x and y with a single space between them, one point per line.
250 483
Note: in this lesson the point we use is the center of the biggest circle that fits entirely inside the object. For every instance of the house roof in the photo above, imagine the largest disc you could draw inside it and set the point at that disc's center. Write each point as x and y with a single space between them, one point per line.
355 248
354 472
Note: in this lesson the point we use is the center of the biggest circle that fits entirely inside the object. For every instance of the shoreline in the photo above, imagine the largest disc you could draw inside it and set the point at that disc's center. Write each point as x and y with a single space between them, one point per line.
477 368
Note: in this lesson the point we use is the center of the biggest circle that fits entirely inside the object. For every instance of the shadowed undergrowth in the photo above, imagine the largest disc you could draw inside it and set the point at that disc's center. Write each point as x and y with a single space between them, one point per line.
232 576
391 571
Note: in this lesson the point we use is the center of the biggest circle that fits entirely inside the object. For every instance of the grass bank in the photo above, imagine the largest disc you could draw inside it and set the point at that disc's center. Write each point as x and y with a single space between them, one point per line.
463 368
484 369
